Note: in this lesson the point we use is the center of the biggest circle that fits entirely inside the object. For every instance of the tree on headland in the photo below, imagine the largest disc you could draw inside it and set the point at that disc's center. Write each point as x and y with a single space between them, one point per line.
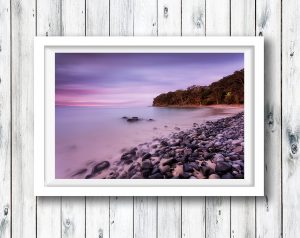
228 90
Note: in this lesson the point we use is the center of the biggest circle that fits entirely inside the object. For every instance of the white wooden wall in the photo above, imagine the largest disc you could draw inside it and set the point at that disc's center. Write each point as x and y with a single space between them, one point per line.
275 215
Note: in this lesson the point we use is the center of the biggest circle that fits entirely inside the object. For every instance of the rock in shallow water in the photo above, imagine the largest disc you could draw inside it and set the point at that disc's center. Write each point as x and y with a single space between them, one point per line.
100 167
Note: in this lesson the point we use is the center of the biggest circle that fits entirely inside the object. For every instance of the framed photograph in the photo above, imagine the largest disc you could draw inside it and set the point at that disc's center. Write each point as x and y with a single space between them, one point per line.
149 116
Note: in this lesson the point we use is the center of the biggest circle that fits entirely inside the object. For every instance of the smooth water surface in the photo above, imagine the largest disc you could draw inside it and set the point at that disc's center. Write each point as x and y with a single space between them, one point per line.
84 135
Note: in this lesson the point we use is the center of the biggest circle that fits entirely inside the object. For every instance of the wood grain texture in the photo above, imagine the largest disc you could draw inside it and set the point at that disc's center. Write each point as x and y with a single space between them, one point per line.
145 18
193 17
145 217
268 208
242 16
5 121
218 17
48 19
290 117
169 217
193 217
218 217
169 17
242 24
21 216
121 17
121 217
73 217
73 209
48 23
23 201
48 222
73 17
218 208
97 17
97 217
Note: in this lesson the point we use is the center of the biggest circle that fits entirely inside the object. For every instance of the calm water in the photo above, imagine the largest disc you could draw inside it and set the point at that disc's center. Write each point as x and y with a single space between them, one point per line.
84 135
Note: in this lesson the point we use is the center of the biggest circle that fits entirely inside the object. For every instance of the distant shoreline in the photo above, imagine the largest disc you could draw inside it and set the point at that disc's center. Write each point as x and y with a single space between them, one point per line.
204 106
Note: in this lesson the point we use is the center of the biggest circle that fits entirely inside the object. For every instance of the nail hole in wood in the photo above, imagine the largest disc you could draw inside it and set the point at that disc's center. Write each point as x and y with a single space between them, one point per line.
294 148
100 233
5 210
293 141
267 203
166 12
270 119
68 222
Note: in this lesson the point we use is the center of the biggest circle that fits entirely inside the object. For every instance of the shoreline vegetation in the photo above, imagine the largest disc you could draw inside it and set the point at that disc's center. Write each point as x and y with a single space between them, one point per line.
212 150
228 90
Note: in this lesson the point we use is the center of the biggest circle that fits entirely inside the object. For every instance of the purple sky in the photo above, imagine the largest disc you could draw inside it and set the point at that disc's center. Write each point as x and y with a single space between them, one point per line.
134 79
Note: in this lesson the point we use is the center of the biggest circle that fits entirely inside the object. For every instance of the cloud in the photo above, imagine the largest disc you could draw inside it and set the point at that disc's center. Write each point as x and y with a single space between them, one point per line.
96 77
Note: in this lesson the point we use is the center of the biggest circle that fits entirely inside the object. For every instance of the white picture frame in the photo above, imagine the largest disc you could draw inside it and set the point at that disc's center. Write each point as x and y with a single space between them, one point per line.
45 183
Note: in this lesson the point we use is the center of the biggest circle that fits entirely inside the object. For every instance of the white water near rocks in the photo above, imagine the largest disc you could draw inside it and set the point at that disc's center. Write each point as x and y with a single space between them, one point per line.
87 135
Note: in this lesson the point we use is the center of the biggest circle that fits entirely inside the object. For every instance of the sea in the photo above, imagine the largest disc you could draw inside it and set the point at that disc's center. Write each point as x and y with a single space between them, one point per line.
84 135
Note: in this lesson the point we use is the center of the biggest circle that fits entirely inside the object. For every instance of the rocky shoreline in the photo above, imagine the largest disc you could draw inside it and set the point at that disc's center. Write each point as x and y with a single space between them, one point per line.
213 150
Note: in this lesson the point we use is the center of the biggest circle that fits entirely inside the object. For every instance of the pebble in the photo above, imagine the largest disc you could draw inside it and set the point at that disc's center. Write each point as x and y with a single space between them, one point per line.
211 150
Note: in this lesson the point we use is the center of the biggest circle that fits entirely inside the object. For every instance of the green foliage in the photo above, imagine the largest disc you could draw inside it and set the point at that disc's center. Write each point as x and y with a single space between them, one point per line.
228 90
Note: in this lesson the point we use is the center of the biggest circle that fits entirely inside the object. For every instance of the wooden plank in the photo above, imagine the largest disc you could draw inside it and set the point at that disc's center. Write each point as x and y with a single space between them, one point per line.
97 17
97 208
242 208
73 209
5 121
48 20
242 18
169 17
73 17
23 200
145 217
169 217
145 18
193 17
218 17
218 208
97 217
48 208
290 117
48 217
217 217
242 217
193 217
193 208
268 208
121 217
145 208
169 208
73 217
121 17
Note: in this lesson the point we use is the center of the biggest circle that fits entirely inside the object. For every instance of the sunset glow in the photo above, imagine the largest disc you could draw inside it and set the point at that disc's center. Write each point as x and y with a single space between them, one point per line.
134 79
